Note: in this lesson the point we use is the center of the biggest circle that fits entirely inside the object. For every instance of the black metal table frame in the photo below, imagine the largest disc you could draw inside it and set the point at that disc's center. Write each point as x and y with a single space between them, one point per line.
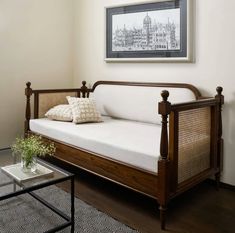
29 190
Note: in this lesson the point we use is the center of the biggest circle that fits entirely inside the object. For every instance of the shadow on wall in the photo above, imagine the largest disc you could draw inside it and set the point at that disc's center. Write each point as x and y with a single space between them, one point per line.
229 131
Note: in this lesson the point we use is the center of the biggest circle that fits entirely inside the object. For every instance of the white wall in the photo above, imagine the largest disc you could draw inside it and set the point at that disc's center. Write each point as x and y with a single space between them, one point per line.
215 63
37 43
36 39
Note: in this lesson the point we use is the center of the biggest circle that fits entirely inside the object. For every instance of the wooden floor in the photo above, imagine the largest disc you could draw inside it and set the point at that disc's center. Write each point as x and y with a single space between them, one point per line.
200 210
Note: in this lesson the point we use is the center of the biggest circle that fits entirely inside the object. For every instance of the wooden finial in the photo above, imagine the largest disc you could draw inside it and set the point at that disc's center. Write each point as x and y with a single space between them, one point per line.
164 107
219 95
84 90
28 84
165 95
219 90
28 90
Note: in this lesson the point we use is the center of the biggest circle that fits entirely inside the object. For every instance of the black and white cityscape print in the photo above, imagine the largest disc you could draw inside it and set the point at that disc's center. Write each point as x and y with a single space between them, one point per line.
146 31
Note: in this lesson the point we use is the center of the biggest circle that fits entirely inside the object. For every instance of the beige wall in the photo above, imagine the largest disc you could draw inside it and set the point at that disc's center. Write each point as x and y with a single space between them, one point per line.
215 63
35 44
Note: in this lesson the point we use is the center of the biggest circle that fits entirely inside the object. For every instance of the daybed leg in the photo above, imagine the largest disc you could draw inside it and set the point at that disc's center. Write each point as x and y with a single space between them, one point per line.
163 217
163 162
220 98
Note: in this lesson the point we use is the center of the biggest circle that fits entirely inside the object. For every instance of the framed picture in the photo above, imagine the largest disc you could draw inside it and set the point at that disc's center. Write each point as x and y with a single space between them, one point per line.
159 31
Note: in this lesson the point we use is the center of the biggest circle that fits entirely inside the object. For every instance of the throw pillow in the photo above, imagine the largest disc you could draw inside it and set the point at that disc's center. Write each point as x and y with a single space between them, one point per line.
84 110
61 112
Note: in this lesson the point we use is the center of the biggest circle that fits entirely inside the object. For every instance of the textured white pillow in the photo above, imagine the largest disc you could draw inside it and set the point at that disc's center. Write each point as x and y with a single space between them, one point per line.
61 112
84 110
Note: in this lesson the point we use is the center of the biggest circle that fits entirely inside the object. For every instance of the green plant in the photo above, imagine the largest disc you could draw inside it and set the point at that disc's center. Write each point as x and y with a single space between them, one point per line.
32 146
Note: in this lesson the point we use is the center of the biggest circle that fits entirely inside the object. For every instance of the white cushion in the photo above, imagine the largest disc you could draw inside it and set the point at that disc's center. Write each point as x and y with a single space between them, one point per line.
130 142
84 110
61 112
136 103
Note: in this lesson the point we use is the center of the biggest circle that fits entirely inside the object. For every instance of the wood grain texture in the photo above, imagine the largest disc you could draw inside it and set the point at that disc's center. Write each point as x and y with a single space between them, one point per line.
200 209
123 174
147 84
220 142
173 149
162 186
28 93
164 108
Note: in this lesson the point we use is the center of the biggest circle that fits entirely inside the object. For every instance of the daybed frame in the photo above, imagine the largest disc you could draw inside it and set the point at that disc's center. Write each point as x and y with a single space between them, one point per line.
164 185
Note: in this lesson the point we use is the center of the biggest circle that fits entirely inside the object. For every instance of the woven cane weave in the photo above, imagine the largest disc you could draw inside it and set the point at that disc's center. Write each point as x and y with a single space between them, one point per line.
194 142
49 100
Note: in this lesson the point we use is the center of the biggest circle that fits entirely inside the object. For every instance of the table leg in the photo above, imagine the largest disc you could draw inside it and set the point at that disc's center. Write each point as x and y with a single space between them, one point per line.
72 205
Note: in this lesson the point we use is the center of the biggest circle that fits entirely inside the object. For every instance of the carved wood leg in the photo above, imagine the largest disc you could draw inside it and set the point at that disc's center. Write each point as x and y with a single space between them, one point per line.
28 93
220 98
162 209
164 168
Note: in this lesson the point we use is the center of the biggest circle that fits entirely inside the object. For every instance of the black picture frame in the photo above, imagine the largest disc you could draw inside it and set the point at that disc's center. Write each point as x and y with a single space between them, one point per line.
142 43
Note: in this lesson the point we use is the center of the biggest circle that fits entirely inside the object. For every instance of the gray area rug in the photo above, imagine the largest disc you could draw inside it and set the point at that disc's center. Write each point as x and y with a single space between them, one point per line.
25 214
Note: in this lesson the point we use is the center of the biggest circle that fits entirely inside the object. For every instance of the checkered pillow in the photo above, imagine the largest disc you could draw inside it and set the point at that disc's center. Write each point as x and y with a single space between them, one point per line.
61 112
84 110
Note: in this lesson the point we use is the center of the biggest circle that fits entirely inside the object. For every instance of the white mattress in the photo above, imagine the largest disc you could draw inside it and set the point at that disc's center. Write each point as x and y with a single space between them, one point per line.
130 142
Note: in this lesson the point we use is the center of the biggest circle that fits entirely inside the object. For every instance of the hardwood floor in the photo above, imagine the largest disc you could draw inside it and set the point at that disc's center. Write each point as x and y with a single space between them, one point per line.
200 210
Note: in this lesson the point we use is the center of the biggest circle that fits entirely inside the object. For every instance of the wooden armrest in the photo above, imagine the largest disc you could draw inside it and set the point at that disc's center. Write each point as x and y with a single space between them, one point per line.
55 91
195 104
195 134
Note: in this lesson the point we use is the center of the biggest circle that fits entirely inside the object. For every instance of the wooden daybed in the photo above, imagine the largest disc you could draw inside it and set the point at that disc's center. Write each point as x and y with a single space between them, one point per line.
199 117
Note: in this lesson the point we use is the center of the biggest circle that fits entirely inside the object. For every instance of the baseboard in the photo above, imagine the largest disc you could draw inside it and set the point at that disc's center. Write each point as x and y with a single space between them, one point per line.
222 185
227 186
3 149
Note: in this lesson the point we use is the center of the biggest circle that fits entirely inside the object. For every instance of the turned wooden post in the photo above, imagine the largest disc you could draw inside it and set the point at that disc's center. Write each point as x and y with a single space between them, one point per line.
84 90
164 108
28 93
220 142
